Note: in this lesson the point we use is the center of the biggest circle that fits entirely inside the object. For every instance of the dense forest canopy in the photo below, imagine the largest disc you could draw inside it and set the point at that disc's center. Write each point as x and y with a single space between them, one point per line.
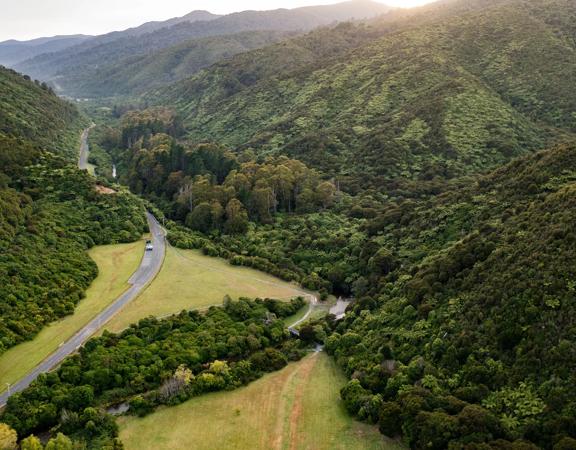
422 163
475 325
463 316
416 102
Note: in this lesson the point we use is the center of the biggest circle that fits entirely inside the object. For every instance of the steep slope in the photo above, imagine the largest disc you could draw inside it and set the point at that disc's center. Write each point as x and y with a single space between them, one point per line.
50 212
139 74
32 112
421 101
466 332
13 52
113 48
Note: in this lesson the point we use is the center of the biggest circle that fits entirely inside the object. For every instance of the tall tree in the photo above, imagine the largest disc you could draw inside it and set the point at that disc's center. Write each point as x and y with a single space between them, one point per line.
236 218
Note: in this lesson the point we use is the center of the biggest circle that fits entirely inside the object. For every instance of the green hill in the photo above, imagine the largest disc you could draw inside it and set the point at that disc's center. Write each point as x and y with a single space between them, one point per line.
142 73
32 112
433 96
50 212
466 331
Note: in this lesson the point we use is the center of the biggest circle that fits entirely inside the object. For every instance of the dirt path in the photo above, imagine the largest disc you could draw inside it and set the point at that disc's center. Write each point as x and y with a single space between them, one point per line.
296 413
289 408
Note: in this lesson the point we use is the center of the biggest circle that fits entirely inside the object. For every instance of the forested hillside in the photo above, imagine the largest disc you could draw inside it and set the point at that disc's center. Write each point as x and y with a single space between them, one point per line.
420 102
141 73
31 111
464 330
50 213
79 61
422 163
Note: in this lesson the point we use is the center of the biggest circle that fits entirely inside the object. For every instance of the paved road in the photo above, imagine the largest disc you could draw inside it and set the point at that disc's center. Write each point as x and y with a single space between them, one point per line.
149 267
84 150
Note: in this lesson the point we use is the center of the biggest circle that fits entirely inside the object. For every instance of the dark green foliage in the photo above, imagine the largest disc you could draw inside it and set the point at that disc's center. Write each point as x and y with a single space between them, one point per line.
32 112
156 362
419 103
206 186
135 75
471 334
50 213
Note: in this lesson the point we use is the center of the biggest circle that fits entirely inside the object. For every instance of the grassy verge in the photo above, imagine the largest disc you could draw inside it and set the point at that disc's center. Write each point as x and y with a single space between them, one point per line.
116 263
190 280
296 408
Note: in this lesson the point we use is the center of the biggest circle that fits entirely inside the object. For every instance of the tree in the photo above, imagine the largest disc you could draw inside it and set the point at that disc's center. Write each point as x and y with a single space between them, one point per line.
217 215
434 430
382 263
31 443
263 203
236 218
565 444
200 219
390 421
60 442
325 194
8 437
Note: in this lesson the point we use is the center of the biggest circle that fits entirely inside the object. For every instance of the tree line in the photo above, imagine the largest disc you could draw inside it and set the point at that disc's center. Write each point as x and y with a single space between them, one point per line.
156 362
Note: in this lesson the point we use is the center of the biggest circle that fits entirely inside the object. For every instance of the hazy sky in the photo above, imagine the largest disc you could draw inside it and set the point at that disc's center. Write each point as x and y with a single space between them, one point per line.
27 19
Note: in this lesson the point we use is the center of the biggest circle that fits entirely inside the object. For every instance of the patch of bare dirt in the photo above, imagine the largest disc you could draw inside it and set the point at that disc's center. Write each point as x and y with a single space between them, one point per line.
105 190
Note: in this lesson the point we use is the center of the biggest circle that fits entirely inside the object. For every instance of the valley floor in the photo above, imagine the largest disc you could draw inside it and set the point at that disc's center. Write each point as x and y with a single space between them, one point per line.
190 280
116 264
296 408
187 280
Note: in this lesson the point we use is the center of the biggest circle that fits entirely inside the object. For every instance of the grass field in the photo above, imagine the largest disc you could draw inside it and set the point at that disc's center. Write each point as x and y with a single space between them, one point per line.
190 280
297 408
116 263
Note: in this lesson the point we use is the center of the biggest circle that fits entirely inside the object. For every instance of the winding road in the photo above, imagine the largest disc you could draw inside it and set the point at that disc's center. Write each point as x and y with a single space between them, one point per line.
84 150
149 268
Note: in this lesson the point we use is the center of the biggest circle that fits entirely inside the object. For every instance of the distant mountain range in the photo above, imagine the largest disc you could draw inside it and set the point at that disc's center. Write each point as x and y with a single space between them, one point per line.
13 52
71 67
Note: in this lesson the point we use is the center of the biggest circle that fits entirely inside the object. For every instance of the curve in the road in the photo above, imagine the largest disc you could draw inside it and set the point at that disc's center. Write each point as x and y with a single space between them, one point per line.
149 268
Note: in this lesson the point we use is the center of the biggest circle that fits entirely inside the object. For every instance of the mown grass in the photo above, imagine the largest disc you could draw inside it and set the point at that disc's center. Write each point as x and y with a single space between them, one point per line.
116 263
190 280
296 408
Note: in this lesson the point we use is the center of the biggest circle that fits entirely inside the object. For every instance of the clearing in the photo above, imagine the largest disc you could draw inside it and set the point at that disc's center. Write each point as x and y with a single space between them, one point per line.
116 263
190 280
296 408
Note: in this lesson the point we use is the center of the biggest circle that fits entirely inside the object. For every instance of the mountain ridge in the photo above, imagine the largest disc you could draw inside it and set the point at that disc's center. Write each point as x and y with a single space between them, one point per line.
394 103
116 46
